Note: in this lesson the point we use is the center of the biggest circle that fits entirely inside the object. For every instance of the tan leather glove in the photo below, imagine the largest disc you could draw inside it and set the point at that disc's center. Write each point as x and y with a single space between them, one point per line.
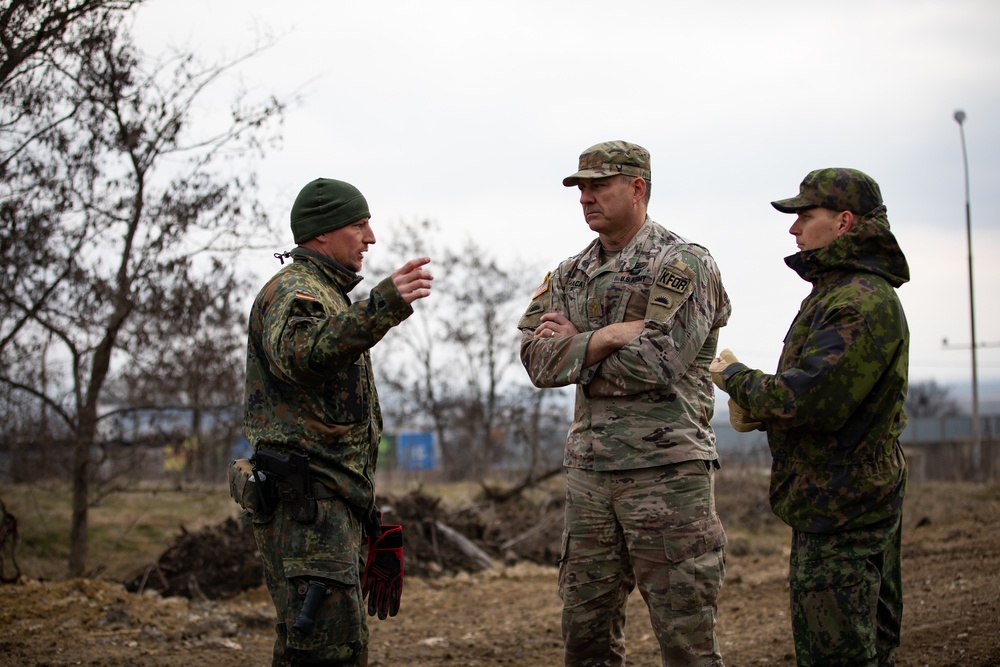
719 364
740 419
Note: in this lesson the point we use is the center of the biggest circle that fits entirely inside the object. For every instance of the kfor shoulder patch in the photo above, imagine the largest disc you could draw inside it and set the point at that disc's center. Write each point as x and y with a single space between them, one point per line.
673 285
672 279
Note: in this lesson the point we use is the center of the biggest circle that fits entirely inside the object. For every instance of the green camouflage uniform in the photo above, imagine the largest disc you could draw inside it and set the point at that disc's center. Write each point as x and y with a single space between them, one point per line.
310 388
640 455
833 414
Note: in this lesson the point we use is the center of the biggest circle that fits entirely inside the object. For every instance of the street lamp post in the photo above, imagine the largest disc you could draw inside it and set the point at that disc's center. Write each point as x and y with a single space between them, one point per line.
960 119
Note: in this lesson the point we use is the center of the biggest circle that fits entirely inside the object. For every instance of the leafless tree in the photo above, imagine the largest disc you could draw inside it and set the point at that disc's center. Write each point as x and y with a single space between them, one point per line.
116 207
185 381
32 31
929 399
454 368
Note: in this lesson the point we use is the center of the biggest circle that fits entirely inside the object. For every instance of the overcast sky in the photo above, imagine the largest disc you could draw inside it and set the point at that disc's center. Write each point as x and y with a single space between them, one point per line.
470 113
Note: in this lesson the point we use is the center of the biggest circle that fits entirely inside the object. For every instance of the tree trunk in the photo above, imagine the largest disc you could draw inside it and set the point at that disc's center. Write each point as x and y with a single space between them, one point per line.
81 490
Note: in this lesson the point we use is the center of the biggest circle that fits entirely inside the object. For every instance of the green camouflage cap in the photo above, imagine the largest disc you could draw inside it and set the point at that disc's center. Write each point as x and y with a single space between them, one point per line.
609 159
836 189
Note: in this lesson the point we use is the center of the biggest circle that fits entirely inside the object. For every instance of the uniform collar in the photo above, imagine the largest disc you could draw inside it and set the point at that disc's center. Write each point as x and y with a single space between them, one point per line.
627 257
346 279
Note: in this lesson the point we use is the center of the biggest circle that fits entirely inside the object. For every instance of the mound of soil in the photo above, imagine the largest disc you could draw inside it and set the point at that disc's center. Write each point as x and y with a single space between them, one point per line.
222 561
215 563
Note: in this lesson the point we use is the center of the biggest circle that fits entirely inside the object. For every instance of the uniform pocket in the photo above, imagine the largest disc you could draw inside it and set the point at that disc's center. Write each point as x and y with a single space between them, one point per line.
563 553
336 572
246 490
693 539
347 395
827 574
833 611
339 618
697 551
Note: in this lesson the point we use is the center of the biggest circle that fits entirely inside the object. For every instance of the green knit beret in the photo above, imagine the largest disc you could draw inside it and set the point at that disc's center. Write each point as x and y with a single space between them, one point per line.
325 205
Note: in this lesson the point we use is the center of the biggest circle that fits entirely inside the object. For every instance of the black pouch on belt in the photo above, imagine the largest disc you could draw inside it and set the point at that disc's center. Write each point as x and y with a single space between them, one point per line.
293 481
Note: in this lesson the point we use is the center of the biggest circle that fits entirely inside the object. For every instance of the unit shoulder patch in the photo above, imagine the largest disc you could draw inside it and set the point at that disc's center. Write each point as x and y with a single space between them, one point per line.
672 277
674 284
539 305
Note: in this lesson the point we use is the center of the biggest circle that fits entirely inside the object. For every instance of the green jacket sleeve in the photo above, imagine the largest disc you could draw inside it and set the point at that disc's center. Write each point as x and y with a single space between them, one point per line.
822 381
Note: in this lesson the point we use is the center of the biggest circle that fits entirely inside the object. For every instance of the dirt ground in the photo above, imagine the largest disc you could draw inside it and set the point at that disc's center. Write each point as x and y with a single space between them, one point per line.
509 614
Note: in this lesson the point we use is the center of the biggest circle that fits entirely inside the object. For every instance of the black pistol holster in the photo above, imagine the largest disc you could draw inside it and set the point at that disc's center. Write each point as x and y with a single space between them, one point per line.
292 481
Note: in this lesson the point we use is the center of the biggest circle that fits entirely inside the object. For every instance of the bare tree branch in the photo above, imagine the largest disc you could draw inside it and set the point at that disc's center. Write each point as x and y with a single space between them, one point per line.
113 287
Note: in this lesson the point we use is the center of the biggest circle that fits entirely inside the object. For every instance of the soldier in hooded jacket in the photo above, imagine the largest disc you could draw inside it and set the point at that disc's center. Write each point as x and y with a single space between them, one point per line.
833 412
310 391
633 322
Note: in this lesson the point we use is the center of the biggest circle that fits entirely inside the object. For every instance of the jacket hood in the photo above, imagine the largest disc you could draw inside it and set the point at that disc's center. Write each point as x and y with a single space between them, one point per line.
869 247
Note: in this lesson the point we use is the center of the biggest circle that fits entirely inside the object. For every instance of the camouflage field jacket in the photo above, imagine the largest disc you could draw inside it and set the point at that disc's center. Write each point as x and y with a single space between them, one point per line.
649 403
834 409
309 376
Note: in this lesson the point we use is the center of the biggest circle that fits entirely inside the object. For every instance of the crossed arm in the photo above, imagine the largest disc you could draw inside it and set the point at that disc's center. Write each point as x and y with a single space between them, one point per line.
602 343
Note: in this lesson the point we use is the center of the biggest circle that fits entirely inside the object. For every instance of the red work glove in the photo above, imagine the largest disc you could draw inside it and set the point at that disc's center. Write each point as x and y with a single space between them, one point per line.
383 580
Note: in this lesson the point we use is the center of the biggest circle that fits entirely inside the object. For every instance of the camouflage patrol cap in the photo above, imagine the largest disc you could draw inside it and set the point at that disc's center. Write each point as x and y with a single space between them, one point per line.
609 159
834 188
324 205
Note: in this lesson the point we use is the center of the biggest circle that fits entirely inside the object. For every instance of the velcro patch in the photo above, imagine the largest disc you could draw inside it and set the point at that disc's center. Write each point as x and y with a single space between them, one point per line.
534 309
675 282
670 291
662 300
539 305
543 288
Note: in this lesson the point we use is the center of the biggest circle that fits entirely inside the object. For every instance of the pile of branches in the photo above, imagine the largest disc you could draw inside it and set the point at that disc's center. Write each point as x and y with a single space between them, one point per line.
219 562
215 563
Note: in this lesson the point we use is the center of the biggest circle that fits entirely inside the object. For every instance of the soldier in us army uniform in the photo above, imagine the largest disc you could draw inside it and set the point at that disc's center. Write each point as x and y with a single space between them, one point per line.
313 417
633 322
833 413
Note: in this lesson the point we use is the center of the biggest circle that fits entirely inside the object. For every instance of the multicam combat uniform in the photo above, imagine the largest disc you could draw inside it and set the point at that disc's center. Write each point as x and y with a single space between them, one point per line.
642 424
310 388
834 413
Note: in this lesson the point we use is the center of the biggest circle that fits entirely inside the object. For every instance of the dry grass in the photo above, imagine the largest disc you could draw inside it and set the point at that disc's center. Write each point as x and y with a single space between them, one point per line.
133 527
126 529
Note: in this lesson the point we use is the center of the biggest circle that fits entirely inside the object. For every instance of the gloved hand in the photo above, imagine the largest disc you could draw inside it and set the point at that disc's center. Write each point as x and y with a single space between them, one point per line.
740 419
382 583
373 525
719 364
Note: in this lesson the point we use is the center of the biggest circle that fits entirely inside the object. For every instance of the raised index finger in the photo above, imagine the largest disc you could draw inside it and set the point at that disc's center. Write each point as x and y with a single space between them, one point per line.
413 264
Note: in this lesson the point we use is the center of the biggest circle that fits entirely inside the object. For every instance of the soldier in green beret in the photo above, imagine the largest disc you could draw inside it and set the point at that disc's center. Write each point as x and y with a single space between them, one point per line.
633 322
313 417
833 413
